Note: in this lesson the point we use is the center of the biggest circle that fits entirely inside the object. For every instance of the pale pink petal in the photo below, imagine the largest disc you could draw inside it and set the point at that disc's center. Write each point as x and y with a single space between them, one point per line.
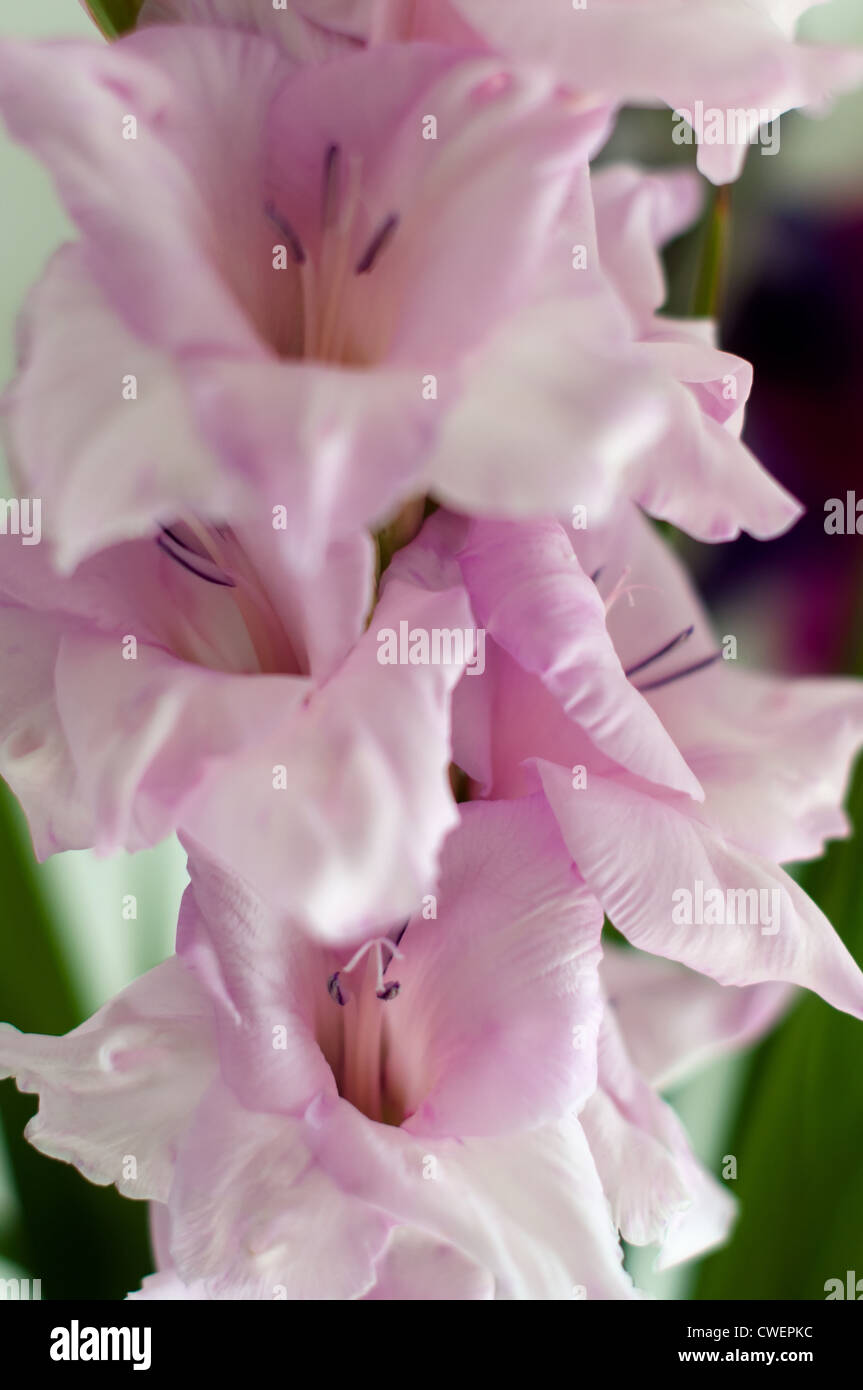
415 1268
339 448
699 476
637 212
34 754
69 422
495 1026
559 385
528 1207
675 1021
529 592
175 731
352 840
773 754
659 1191
116 1093
255 1217
176 265
166 1286
267 983
659 849
287 26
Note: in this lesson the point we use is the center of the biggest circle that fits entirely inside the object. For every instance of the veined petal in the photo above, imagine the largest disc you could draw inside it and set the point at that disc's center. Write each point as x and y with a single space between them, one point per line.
662 852
530 593
122 1085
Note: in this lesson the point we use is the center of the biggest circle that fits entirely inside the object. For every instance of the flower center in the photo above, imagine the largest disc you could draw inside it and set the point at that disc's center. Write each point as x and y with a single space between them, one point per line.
228 622
356 1040
329 280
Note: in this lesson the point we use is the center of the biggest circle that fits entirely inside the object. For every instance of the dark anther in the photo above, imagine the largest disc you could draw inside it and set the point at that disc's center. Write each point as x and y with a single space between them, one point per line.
675 642
389 991
172 535
223 580
335 991
292 241
594 578
378 244
679 675
330 190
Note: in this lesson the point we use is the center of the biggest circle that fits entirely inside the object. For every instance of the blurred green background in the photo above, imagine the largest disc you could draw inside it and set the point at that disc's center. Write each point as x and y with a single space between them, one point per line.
791 1111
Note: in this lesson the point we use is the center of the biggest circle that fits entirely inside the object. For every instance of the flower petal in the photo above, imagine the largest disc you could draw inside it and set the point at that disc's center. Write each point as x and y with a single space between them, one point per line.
121 1086
661 850
530 593
495 1026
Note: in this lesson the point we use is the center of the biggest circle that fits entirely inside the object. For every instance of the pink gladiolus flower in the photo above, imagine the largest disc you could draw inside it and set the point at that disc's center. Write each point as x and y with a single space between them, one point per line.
292 269
771 756
194 681
326 1126
426 1117
354 349
308 314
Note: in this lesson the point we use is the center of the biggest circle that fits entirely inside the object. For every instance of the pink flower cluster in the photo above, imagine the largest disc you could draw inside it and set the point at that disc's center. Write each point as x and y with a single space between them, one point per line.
354 354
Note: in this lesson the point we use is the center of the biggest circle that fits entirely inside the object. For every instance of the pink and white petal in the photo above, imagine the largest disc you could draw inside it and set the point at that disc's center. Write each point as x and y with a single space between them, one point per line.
658 850
415 1268
267 983
253 1216
527 1207
495 1025
529 592
353 841
436 20
675 1021
637 212
558 385
34 754
173 733
307 42
121 1086
659 1190
699 476
339 448
324 613
171 218
69 422
775 757
166 1286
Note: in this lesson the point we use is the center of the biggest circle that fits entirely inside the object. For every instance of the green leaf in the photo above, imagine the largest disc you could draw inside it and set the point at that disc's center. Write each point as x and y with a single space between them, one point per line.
710 278
115 17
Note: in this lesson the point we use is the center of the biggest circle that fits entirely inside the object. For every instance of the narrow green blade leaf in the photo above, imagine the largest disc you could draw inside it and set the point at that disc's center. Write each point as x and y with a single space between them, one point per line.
710 279
115 17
